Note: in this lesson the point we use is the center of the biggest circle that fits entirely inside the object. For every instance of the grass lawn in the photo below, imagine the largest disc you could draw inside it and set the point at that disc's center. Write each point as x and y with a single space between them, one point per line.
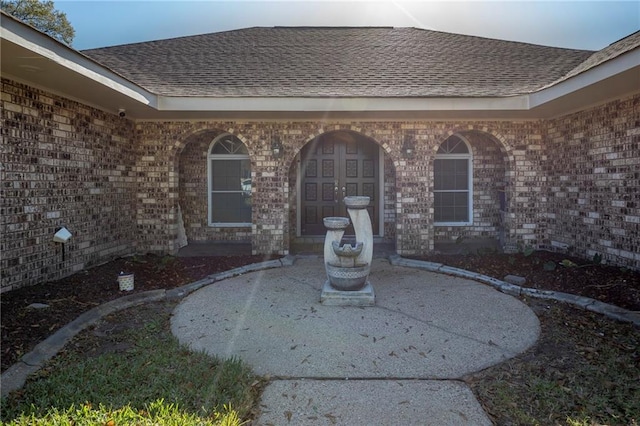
148 379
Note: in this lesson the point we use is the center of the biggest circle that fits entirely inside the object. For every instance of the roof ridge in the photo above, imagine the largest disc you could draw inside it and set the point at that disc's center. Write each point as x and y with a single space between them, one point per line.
303 27
161 40
623 38
337 27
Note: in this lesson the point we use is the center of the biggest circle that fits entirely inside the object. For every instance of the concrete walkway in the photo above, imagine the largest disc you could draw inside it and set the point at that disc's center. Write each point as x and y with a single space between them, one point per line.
398 362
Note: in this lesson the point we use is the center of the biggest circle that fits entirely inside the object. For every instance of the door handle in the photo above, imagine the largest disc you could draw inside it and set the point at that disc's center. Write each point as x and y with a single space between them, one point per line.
344 192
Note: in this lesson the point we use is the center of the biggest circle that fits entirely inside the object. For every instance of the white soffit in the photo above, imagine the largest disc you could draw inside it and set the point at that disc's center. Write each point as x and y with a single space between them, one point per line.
519 103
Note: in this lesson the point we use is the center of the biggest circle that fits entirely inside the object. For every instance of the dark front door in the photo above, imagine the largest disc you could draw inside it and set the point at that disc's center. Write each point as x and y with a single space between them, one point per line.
336 165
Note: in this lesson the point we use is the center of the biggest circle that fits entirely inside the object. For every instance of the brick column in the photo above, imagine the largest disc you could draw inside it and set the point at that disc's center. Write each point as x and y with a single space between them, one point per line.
414 201
270 186
156 194
525 220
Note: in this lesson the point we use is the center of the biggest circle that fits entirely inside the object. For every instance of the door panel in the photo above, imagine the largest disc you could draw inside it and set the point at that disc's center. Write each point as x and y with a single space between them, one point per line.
347 166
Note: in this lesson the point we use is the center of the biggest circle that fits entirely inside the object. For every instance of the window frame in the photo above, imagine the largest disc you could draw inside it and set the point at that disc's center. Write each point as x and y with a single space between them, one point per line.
223 157
468 156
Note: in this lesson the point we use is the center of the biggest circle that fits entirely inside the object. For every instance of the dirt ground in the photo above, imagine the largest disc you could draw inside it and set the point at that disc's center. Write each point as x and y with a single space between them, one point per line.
23 326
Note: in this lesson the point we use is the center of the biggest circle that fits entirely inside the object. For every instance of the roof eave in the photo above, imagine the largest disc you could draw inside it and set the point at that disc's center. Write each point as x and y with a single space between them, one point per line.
606 81
33 57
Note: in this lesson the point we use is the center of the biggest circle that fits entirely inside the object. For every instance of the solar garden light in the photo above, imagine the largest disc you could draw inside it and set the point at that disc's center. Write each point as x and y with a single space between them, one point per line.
62 235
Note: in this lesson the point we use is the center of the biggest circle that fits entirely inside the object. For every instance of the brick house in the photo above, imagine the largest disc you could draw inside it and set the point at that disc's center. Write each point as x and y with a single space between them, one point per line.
255 135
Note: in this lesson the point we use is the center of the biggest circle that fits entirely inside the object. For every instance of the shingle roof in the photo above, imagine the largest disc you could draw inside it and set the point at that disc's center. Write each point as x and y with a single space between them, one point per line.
338 62
612 51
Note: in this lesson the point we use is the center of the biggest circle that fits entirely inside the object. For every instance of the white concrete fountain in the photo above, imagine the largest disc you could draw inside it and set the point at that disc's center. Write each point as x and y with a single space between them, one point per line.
348 265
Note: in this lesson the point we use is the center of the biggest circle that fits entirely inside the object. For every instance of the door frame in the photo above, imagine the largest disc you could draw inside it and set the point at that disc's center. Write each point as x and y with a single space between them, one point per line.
380 201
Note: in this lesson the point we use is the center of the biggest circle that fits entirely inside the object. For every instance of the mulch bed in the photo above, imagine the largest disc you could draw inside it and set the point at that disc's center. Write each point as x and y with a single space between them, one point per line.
610 284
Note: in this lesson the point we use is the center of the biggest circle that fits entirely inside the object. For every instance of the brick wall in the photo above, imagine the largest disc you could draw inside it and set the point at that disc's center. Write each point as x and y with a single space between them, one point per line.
62 164
389 209
117 186
592 193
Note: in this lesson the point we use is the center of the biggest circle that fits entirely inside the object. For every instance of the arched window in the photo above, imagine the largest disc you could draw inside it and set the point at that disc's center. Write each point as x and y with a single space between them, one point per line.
229 170
452 183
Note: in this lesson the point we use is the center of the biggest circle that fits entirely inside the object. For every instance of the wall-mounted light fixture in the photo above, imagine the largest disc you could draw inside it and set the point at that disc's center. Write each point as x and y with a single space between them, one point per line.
277 149
408 145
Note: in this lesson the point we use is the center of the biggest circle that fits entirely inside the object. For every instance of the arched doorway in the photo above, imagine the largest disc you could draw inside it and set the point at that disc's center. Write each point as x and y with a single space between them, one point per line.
332 166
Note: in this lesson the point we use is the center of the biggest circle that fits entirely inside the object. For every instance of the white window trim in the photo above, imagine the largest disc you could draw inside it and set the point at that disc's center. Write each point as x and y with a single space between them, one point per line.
215 157
469 158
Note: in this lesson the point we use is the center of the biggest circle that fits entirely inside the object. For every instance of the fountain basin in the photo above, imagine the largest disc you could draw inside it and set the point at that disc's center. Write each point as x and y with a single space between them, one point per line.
347 250
336 222
351 278
356 202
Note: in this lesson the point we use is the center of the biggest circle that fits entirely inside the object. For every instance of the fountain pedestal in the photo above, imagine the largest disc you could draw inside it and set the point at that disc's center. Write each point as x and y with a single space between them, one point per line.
348 266
332 297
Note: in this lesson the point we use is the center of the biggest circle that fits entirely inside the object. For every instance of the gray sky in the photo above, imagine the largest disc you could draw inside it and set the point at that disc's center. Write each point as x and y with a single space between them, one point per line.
575 24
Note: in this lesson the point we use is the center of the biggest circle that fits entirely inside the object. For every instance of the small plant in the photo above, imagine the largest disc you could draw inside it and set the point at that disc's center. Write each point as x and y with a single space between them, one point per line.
165 262
526 250
137 259
568 263
153 326
597 260
549 266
